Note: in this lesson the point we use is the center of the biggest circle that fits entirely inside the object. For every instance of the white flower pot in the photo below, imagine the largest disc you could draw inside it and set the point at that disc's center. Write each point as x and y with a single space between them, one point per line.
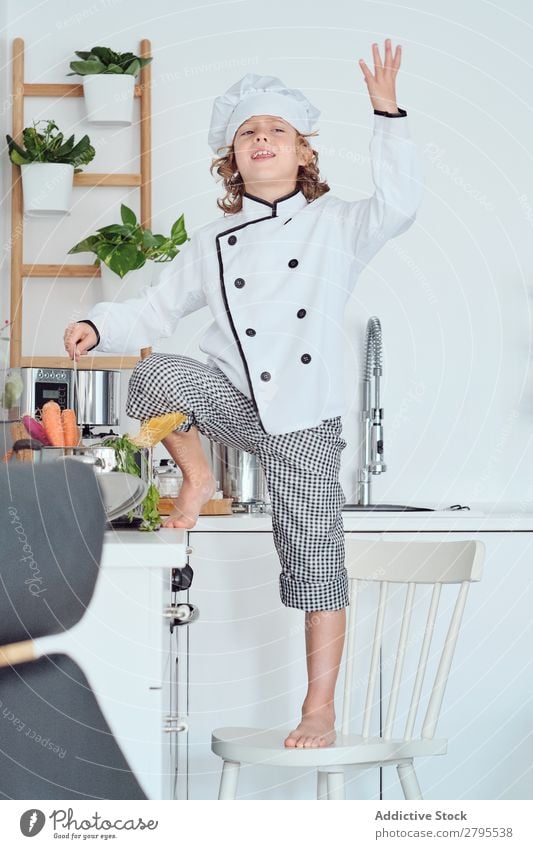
47 188
132 285
109 98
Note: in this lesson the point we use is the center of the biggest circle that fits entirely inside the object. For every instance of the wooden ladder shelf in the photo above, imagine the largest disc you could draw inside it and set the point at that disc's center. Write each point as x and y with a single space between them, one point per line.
20 269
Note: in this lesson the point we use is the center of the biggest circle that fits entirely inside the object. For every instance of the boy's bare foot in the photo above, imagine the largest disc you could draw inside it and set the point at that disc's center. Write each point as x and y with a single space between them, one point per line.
317 729
193 494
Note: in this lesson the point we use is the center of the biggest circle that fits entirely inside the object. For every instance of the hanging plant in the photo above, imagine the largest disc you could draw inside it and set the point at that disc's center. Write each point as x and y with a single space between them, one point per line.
49 146
127 246
103 60
48 164
108 83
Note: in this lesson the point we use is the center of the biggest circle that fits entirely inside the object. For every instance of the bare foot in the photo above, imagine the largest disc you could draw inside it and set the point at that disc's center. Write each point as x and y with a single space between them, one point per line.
317 729
193 494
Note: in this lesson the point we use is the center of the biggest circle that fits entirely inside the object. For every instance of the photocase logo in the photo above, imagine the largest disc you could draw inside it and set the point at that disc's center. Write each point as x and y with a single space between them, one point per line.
32 822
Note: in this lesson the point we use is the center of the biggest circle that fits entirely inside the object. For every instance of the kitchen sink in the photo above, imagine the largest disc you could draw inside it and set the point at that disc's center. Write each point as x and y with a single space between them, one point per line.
389 508
455 510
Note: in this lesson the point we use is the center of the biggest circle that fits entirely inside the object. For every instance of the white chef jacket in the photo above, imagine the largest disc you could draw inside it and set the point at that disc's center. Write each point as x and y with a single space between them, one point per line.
277 277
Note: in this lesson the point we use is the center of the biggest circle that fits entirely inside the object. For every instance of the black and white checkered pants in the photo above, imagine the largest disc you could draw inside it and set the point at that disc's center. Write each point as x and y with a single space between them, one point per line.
301 470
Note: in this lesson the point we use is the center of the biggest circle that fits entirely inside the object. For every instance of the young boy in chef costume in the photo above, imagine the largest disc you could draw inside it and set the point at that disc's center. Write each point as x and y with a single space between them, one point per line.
276 271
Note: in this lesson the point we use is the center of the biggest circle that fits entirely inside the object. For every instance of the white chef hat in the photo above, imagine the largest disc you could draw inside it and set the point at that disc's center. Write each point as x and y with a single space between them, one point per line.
257 95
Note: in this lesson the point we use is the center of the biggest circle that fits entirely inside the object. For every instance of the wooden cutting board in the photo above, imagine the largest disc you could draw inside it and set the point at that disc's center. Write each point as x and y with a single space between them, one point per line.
214 507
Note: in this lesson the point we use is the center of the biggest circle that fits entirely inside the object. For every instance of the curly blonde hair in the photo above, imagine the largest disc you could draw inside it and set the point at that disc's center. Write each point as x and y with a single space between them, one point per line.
307 180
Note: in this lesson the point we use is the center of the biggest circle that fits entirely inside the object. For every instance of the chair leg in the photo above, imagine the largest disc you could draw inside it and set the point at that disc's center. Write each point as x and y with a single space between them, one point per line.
229 780
409 781
335 785
322 785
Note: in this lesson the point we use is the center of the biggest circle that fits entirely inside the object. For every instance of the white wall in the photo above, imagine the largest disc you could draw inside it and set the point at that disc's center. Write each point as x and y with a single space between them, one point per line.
452 294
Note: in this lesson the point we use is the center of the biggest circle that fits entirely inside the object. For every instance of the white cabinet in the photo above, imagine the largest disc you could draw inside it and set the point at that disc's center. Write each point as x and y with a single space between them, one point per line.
247 667
124 646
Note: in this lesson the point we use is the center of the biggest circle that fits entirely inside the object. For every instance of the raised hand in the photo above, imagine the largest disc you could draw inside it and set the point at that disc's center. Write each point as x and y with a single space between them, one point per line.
382 83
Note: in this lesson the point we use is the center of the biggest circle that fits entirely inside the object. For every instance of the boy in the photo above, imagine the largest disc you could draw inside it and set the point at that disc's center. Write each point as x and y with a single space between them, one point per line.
277 275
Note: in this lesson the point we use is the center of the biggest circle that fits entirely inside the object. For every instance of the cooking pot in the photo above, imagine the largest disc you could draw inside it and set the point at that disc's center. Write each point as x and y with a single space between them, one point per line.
239 474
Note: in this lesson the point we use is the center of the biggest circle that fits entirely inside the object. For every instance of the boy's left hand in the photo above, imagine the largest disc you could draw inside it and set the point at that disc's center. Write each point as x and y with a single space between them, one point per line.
382 84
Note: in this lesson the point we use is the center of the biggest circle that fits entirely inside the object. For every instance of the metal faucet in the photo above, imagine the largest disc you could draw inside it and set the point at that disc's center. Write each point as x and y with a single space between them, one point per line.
371 416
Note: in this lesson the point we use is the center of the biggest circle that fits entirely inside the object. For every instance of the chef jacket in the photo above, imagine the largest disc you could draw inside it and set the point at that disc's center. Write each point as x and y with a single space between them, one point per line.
277 277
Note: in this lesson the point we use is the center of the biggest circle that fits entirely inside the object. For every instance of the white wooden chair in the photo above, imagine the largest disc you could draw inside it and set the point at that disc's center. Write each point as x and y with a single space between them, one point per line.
376 565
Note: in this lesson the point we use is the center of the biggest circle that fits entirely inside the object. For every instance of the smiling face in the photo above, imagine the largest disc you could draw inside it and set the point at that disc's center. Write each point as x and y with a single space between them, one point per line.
268 156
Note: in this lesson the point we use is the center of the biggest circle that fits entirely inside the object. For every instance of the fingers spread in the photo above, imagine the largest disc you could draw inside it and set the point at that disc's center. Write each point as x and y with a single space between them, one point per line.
366 71
378 66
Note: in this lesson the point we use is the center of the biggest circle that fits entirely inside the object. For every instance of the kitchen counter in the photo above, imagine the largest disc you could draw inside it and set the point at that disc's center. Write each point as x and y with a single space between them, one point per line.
480 518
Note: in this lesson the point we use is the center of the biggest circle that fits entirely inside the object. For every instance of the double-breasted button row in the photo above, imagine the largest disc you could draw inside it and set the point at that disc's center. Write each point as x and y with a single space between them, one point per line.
266 376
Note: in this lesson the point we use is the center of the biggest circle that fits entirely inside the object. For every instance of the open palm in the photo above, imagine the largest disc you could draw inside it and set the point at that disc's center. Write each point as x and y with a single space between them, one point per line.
382 83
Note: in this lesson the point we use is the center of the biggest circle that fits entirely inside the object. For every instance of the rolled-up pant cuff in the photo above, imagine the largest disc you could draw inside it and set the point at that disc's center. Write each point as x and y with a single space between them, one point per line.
310 596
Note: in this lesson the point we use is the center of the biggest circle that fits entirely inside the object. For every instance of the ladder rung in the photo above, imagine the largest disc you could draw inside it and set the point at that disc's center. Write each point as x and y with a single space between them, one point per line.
60 270
60 90
92 179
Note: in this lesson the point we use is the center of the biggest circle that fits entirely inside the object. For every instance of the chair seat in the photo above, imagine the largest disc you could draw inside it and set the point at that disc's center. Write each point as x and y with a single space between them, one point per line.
266 746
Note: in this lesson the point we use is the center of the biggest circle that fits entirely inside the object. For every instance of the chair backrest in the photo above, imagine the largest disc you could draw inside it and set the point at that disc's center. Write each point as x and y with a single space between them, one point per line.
381 642
55 740
51 536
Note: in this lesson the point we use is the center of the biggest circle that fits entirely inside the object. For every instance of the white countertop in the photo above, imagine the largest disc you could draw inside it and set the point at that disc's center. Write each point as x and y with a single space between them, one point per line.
146 549
479 519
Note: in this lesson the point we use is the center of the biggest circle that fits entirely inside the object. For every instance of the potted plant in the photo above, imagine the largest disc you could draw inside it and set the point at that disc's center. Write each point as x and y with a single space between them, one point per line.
126 253
108 83
48 164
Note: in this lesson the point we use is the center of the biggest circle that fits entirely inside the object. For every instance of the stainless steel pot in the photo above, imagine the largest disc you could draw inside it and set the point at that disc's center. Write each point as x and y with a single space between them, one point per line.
239 473
103 459
98 402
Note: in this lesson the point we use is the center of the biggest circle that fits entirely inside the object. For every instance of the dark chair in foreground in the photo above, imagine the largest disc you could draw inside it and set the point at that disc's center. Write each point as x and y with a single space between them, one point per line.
54 740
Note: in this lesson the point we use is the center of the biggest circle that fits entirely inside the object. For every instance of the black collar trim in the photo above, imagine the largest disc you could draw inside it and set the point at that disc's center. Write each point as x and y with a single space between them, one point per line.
273 205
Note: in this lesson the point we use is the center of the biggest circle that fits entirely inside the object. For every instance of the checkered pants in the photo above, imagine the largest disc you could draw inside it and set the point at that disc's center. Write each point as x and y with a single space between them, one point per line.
301 470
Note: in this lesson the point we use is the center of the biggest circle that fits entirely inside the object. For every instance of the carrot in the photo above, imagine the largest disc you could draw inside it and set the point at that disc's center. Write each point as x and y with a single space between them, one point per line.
70 428
52 423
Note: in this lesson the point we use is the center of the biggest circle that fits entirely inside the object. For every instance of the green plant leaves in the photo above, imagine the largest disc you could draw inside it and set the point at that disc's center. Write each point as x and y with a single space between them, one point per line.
128 216
178 233
88 244
16 153
103 60
126 247
125 453
48 146
120 258
90 66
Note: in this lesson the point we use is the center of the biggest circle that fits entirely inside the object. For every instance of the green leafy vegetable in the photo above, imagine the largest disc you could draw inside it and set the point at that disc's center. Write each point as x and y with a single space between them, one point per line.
125 453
